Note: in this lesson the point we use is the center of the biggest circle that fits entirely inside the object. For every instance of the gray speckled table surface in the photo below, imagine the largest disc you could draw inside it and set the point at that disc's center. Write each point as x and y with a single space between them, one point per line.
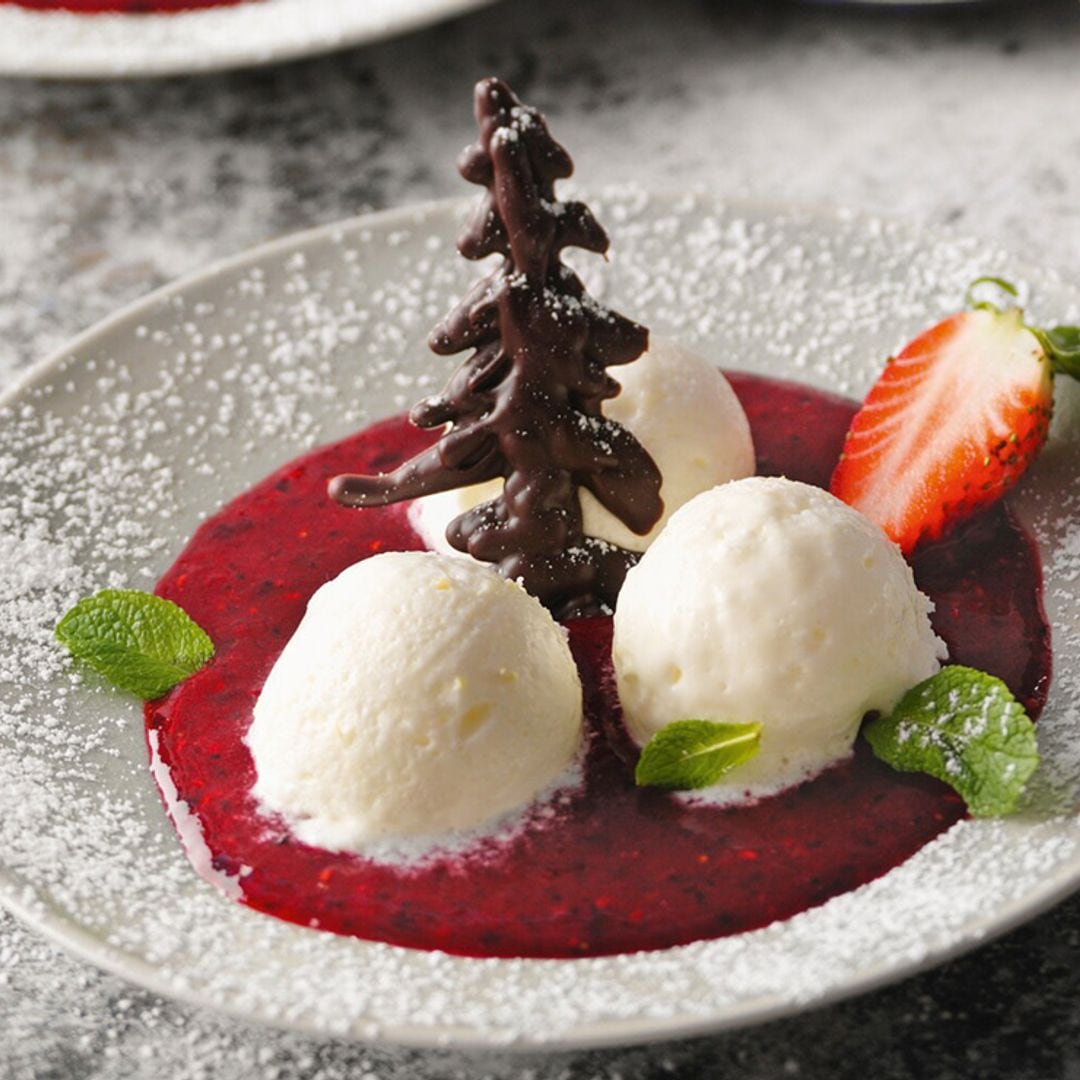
965 117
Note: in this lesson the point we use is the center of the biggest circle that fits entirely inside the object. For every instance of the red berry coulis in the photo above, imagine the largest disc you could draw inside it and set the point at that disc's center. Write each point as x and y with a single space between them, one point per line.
124 7
617 868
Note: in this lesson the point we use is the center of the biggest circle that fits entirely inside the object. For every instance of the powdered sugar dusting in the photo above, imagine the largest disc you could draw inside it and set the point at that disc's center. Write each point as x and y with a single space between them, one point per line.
113 453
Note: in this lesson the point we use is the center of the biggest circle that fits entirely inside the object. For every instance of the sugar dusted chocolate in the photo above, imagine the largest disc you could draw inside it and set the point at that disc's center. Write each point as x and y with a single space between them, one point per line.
526 405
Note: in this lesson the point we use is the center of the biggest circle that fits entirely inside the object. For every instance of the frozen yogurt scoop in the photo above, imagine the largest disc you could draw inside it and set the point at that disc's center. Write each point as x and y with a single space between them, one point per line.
421 693
770 601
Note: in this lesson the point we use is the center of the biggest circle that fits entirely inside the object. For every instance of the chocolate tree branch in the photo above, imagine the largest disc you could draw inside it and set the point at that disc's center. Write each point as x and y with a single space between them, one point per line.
424 474
526 404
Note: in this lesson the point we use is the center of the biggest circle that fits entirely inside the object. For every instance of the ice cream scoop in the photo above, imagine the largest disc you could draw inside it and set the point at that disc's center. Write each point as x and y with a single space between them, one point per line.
770 601
420 694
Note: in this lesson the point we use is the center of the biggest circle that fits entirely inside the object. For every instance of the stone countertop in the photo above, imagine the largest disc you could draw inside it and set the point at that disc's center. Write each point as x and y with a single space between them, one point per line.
967 118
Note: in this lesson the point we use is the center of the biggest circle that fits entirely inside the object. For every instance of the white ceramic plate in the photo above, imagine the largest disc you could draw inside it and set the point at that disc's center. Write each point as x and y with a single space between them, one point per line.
69 45
114 449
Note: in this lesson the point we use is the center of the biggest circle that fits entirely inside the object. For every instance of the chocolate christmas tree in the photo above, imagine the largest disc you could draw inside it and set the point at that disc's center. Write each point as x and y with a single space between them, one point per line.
526 404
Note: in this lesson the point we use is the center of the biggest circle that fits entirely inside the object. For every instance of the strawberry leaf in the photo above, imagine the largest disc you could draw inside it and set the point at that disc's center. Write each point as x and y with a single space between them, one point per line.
695 753
1062 345
965 728
138 641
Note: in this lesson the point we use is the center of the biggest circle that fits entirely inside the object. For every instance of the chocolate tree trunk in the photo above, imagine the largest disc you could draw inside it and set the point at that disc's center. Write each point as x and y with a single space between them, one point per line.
526 405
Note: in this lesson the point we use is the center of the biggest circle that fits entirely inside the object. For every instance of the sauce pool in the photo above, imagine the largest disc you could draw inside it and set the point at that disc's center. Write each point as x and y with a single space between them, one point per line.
615 868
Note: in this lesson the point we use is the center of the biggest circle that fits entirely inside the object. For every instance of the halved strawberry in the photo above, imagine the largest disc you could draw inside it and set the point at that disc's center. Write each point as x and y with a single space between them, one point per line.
952 422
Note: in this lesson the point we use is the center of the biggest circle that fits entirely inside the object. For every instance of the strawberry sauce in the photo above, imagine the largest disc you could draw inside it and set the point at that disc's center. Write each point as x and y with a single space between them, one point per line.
124 7
616 869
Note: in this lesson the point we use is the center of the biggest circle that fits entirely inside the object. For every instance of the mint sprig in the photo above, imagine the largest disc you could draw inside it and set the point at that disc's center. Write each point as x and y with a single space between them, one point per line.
138 641
695 753
965 728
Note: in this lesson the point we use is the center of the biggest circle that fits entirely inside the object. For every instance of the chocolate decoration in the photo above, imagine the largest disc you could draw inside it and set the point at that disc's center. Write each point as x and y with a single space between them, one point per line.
526 405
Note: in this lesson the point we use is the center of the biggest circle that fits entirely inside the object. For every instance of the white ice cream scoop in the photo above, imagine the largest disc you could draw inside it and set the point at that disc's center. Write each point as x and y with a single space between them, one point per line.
770 601
420 694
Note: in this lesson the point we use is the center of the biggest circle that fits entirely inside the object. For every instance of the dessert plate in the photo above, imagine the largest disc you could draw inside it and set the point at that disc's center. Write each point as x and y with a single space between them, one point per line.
70 45
114 449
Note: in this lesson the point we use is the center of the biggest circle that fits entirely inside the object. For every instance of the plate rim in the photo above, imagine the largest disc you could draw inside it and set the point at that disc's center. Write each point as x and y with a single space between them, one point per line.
84 58
596 1035
40 915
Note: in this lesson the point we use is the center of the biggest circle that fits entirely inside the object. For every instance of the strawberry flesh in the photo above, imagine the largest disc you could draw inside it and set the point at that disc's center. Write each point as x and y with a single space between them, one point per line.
949 427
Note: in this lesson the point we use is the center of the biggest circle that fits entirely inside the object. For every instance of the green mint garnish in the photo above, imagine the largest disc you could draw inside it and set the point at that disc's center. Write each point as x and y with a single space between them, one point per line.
965 728
695 753
138 641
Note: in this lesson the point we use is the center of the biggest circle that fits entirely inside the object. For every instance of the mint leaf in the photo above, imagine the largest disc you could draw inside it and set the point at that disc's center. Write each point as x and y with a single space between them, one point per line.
964 727
695 753
138 641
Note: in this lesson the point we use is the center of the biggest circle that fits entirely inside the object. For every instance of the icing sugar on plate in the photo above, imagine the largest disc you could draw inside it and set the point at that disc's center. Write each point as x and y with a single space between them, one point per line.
114 450
69 45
